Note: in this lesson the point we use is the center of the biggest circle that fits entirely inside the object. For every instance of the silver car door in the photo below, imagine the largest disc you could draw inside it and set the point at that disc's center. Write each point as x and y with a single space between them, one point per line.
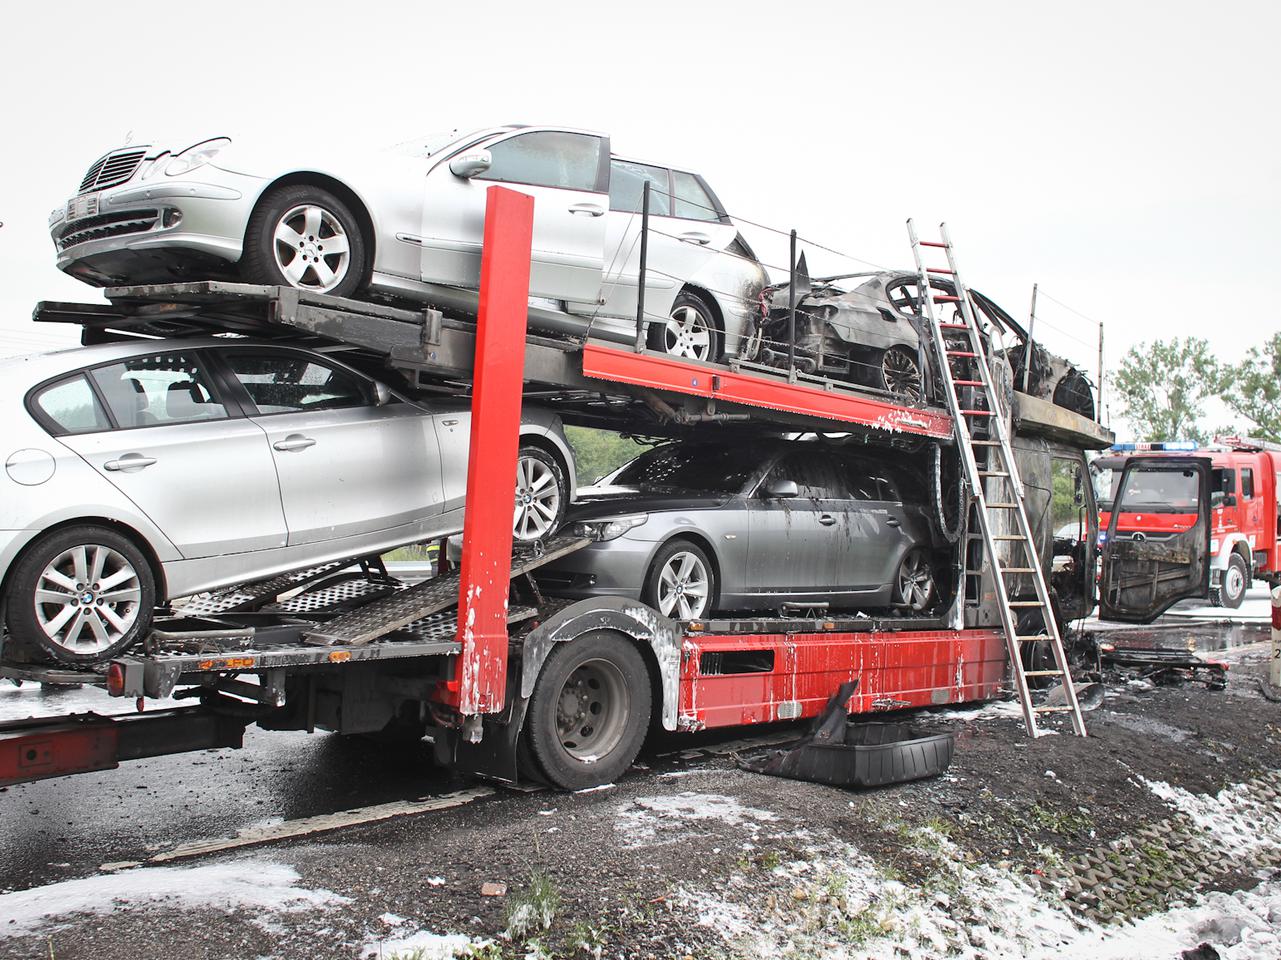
204 477
879 528
347 466
566 173
792 540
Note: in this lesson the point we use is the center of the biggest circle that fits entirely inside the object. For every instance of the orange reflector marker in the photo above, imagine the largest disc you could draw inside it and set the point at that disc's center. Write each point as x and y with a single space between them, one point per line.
340 656
116 680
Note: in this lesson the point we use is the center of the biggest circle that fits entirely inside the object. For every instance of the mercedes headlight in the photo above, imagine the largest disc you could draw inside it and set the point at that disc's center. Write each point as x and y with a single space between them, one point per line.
194 157
609 529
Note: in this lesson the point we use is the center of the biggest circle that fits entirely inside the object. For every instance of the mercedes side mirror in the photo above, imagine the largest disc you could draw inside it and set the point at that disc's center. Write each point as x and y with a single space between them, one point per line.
782 489
382 394
470 163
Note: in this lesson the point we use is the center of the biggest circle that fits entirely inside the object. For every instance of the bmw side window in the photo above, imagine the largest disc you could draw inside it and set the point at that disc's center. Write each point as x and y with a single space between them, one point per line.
692 201
571 161
72 407
163 388
814 477
627 187
294 383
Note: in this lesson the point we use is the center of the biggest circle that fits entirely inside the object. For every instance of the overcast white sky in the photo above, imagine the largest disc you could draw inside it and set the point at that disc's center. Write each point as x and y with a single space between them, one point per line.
1124 155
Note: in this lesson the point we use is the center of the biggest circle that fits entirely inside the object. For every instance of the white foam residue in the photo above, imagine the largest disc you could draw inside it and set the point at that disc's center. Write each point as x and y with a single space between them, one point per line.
422 946
653 821
1232 816
258 886
991 710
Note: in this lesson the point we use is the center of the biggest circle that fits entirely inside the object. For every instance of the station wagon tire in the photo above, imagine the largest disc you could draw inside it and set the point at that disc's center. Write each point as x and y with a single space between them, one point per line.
690 331
681 582
1236 580
541 495
46 600
901 373
590 710
305 237
915 589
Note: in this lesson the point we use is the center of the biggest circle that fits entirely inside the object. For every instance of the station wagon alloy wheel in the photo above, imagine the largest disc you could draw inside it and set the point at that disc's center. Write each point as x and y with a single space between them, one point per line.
684 586
538 498
914 586
311 247
87 598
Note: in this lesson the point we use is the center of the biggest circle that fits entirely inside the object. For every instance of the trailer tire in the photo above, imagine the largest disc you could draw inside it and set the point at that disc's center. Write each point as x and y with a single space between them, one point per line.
117 614
1236 580
589 711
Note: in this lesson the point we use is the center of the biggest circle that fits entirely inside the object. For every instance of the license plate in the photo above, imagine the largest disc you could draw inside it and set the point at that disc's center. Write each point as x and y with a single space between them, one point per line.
80 207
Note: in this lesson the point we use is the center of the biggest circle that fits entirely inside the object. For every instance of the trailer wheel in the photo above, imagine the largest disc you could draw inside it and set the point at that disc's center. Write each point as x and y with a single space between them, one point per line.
81 595
303 236
1236 579
590 710
541 498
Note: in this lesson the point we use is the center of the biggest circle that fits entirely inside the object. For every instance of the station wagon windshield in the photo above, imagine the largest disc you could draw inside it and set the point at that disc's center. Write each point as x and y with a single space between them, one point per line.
706 469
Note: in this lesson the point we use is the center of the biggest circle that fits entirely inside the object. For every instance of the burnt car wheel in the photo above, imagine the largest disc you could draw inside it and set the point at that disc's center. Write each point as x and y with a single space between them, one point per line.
540 495
914 588
690 332
305 237
81 595
590 710
901 374
681 582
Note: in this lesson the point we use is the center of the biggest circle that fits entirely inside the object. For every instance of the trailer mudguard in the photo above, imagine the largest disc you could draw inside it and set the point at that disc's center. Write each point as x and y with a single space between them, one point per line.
660 635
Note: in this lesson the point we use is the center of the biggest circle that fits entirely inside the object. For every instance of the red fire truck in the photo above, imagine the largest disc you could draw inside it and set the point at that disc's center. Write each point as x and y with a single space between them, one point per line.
1160 506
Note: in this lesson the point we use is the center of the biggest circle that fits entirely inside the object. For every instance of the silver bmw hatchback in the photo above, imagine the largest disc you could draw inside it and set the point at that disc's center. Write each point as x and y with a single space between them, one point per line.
140 472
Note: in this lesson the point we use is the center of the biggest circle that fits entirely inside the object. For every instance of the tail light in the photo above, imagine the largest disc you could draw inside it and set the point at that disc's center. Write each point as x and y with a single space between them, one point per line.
116 680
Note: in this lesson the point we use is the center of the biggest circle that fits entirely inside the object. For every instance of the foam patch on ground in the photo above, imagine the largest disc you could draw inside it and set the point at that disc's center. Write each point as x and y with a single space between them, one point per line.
421 946
654 821
260 887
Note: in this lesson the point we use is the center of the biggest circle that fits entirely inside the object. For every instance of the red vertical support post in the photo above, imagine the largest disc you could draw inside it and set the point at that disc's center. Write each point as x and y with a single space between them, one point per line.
480 673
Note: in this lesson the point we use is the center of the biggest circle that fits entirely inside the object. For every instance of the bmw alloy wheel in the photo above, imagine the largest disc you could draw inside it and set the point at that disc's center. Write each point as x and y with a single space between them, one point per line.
688 333
87 598
537 499
683 586
311 248
914 588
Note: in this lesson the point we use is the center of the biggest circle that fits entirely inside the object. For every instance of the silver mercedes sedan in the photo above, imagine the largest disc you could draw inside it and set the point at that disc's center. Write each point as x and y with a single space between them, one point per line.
407 222
698 528
139 472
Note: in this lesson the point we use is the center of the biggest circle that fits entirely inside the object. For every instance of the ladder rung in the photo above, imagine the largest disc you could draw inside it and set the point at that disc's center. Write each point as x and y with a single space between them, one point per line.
1032 637
994 473
946 298
1018 569
1010 537
985 443
1052 710
977 413
1027 603
1042 673
967 383
941 270
1002 506
932 243
961 353
954 326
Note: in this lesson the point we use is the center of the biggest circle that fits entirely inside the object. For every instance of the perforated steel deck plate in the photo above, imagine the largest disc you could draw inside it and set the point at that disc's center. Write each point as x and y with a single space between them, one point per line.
424 599
247 596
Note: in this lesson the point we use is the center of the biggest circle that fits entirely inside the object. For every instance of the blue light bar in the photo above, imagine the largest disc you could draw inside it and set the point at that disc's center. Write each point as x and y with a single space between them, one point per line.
1156 447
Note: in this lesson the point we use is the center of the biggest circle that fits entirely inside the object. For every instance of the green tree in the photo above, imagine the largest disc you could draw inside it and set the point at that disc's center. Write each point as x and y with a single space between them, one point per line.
598 452
1163 387
1252 389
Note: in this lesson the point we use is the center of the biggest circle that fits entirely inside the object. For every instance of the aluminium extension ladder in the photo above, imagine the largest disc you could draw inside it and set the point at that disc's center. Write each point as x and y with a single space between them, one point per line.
988 461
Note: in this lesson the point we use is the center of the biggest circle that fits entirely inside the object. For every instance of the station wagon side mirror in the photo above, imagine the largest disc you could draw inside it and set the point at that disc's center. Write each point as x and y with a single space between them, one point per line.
782 489
470 163
382 394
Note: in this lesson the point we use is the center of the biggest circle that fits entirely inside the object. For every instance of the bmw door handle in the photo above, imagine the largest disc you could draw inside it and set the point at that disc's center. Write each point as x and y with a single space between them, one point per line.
827 520
129 462
295 441
696 237
591 209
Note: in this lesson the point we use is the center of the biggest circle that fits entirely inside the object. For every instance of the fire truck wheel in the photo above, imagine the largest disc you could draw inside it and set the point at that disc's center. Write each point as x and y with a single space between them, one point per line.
303 236
1236 578
80 595
590 710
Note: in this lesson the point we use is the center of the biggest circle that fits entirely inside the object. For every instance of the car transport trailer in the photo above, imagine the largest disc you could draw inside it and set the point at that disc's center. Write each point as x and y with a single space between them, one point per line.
506 682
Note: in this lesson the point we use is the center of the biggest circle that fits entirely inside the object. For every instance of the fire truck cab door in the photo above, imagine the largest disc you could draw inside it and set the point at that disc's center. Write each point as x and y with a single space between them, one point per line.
1157 549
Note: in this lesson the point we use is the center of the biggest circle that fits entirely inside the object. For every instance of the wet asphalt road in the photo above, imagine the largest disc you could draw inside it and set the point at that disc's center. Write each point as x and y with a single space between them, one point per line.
64 828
